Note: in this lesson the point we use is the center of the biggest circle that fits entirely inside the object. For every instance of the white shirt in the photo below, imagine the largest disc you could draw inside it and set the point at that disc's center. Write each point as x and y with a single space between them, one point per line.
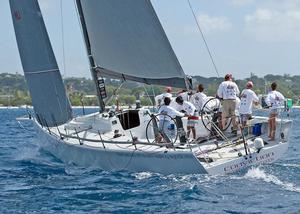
274 99
188 107
184 95
228 90
159 99
199 99
237 105
168 110
247 98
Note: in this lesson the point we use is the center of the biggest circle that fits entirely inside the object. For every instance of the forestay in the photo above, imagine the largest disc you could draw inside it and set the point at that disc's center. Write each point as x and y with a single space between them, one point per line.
128 42
48 94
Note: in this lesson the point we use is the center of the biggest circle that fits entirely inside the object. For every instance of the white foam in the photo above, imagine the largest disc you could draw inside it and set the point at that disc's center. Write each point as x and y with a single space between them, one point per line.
257 173
143 175
27 153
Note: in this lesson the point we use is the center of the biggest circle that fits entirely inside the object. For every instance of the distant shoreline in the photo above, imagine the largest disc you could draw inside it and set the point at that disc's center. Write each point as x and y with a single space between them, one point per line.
76 107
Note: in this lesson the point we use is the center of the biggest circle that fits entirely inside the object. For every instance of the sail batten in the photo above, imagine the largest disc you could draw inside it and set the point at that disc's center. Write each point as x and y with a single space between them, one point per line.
48 94
44 71
126 37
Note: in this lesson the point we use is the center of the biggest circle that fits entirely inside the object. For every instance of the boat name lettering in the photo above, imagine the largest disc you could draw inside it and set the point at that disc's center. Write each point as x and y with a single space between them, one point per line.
263 159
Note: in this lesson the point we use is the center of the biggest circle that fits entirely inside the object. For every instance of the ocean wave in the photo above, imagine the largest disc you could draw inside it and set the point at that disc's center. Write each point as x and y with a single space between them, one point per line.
257 173
293 165
143 175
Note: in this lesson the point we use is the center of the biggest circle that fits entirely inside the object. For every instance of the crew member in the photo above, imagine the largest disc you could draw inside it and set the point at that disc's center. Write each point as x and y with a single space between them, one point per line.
274 101
199 98
228 91
184 94
248 97
159 99
189 109
165 121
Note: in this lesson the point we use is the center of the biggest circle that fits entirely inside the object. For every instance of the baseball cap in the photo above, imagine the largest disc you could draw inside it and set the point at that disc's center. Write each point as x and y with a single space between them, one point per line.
228 76
168 89
249 84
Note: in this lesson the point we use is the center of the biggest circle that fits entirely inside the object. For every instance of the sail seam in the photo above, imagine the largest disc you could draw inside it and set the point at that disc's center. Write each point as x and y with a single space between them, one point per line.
42 71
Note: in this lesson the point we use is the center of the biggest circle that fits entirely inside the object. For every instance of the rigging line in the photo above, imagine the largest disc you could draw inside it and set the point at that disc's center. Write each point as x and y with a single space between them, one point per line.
64 55
63 37
58 98
153 92
114 93
202 34
148 94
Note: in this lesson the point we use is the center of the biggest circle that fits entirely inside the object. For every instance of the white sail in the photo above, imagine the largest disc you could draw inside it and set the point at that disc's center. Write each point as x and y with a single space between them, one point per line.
48 94
128 42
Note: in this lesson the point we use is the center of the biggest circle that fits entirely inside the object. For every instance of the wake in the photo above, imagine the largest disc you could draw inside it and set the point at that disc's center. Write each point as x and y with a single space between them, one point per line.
257 173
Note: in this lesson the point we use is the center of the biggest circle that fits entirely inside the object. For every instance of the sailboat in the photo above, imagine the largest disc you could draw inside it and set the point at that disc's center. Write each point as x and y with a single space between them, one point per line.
125 40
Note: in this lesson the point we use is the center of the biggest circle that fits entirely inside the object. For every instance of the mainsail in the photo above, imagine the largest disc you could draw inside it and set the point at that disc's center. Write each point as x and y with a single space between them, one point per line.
128 42
49 99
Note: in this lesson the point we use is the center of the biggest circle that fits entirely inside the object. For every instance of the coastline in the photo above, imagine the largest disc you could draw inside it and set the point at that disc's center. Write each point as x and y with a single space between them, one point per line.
78 107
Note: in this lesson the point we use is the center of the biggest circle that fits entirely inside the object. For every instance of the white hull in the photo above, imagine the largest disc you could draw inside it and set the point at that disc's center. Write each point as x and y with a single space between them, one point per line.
140 158
265 156
130 160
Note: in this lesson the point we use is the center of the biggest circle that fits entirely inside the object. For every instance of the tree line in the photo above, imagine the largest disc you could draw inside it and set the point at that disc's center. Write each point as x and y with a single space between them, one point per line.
14 90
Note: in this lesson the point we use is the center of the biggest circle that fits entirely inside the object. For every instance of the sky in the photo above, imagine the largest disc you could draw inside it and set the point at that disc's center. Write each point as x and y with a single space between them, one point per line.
244 36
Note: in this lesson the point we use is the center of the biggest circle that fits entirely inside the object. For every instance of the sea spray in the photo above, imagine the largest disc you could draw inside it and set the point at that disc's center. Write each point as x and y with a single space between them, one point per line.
257 173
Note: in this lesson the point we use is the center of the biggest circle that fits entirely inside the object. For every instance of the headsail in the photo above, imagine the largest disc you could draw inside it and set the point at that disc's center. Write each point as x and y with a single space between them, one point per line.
48 93
128 42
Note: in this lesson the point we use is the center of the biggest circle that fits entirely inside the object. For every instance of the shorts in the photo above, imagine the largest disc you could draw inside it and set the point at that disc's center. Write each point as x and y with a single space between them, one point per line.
167 127
245 117
163 125
192 123
228 108
274 112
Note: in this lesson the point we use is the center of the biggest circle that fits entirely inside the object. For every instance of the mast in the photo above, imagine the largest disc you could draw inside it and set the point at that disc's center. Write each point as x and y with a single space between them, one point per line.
99 81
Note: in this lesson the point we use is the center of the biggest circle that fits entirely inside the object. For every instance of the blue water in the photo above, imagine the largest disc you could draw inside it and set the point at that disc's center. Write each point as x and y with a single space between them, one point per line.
34 181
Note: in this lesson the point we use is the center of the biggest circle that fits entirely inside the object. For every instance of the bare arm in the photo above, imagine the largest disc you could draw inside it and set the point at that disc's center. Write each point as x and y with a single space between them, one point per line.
220 91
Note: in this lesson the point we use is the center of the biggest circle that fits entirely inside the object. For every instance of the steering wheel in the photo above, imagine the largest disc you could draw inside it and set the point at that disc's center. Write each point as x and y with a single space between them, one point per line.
161 128
211 115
